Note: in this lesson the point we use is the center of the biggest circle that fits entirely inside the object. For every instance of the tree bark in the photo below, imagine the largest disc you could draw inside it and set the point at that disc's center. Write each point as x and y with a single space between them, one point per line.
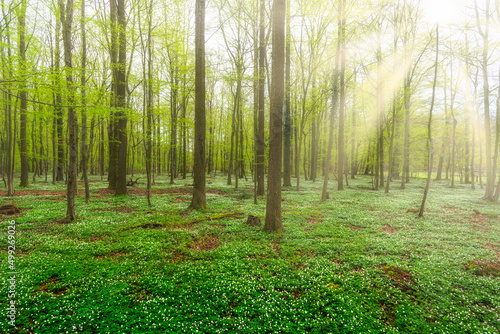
199 201
84 102
112 130
273 221
260 138
7 100
23 95
287 130
121 104
490 174
336 74
66 12
340 141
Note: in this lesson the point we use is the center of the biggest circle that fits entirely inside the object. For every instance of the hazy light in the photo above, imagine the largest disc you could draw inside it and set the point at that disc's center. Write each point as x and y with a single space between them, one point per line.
444 11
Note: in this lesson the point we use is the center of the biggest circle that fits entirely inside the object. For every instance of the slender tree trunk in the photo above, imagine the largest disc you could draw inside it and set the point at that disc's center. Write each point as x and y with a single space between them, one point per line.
121 91
490 173
7 100
429 130
335 98
84 102
256 81
66 12
173 124
91 154
405 177
287 130
149 103
184 128
199 201
340 150
497 144
354 162
236 133
113 124
233 134
260 139
23 95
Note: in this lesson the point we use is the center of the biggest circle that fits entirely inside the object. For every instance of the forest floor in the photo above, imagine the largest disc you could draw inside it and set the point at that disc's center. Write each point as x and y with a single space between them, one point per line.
357 263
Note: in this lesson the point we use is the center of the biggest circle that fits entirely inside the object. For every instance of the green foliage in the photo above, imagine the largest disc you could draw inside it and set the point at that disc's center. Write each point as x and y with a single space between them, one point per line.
356 263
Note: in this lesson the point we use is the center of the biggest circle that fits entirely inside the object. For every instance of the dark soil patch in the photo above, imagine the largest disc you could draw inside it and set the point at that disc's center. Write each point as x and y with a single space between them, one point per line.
9 210
297 293
355 227
480 222
123 209
493 248
315 220
99 237
143 192
49 286
276 245
484 268
63 221
40 192
388 229
181 199
110 255
205 243
399 277
178 256
304 252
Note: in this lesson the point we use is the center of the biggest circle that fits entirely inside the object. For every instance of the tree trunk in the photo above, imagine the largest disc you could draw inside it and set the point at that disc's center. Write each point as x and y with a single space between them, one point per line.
336 74
497 144
149 104
84 102
405 177
66 13
121 90
199 201
340 150
354 163
490 173
7 100
273 221
261 145
112 130
287 130
173 124
429 130
23 95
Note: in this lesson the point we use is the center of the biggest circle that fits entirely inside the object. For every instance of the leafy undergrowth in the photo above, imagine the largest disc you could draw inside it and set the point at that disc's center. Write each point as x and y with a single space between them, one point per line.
360 262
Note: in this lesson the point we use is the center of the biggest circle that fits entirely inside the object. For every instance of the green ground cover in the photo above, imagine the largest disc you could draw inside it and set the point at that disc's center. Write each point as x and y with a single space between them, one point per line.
357 263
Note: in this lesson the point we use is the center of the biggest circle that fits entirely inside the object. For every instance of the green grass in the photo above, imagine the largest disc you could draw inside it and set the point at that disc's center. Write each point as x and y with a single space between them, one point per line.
357 263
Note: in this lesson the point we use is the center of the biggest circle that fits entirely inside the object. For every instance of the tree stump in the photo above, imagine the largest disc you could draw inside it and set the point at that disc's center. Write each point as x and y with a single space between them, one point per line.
253 220
9 210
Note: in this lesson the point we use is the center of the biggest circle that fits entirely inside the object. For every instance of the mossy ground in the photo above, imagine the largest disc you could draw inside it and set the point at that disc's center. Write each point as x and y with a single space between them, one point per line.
357 263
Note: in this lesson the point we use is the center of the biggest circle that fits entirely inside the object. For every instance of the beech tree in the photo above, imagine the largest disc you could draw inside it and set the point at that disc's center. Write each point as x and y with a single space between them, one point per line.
66 12
199 201
273 221
23 95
